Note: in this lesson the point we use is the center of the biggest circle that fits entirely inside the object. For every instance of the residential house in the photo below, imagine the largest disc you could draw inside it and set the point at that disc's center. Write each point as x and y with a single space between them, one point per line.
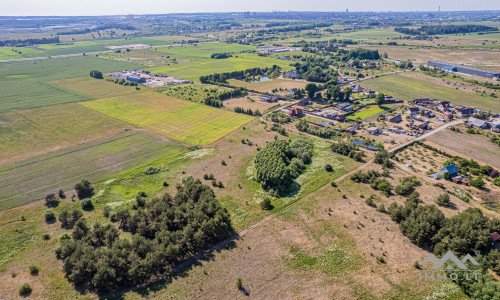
477 123
391 99
423 101
350 130
495 236
295 112
356 88
333 114
429 114
413 111
293 74
465 112
396 119
344 106
373 130
444 105
368 92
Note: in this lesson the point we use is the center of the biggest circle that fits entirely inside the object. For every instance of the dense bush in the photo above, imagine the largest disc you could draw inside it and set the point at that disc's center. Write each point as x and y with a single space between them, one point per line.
151 170
49 216
51 200
25 289
443 200
87 204
68 219
168 230
84 189
406 186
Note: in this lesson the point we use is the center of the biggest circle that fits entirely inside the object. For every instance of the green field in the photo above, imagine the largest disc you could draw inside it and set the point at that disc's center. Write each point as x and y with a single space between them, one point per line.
180 120
72 48
196 61
382 34
368 112
406 88
35 177
27 84
26 133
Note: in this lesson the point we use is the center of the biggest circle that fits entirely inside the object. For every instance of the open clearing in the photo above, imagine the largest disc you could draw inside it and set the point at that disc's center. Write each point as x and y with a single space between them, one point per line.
246 103
409 88
27 133
187 122
268 86
35 177
27 84
472 146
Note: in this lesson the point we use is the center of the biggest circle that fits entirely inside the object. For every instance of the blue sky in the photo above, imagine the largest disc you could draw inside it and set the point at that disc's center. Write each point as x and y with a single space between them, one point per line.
107 7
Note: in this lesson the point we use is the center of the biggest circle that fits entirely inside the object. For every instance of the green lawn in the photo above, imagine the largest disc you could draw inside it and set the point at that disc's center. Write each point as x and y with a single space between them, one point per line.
406 88
27 84
368 112
35 177
184 121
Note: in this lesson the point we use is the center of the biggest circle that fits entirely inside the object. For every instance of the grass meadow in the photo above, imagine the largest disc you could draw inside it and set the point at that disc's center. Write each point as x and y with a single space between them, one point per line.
406 88
196 61
268 86
180 120
27 84
35 177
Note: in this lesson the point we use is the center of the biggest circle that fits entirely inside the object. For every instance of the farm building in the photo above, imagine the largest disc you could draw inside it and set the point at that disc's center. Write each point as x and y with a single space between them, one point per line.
396 119
464 69
136 79
304 101
478 123
369 92
373 130
344 107
268 98
495 126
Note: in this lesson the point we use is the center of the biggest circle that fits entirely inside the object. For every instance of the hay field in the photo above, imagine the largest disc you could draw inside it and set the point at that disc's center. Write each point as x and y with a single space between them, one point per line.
180 120
26 133
35 177
406 88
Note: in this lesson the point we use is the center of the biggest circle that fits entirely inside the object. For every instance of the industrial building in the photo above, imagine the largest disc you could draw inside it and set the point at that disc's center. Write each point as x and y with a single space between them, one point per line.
464 69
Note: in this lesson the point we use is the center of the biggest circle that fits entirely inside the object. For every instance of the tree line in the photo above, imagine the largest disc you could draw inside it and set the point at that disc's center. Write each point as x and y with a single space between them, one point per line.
444 29
28 42
325 133
220 55
164 231
248 111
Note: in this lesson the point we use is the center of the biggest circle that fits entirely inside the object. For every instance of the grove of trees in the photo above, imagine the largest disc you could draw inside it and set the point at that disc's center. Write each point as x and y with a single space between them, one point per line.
167 230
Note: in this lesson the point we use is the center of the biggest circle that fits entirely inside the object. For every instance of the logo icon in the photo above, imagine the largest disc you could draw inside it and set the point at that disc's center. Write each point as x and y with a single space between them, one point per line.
439 264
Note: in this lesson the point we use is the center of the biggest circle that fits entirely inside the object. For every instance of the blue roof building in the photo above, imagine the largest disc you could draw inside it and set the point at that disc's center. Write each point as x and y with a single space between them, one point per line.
451 169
